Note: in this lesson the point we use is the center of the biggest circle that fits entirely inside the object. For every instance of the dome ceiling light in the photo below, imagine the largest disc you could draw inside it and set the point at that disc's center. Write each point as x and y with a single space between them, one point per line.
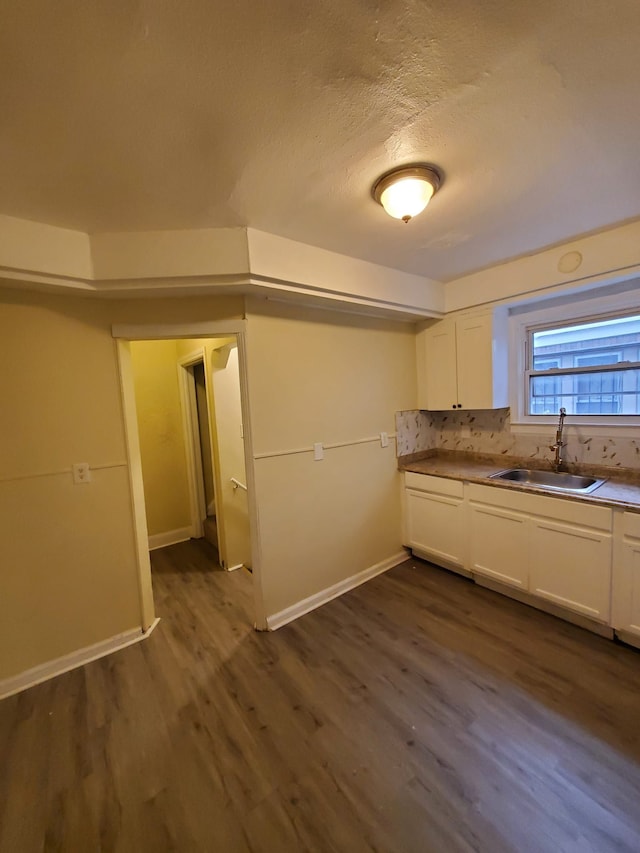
405 192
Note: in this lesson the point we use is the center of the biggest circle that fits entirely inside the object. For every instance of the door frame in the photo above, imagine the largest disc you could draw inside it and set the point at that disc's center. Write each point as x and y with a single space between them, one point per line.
123 333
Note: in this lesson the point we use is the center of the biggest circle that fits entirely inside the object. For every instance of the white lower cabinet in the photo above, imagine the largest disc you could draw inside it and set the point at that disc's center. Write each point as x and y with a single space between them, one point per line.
626 574
499 547
552 548
571 566
434 518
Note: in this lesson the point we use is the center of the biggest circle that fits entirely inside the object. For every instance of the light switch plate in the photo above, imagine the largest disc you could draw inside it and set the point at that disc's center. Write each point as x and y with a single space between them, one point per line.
318 451
384 439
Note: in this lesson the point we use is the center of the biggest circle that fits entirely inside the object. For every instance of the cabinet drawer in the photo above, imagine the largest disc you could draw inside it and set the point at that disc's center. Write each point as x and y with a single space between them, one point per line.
573 512
435 485
558 508
493 496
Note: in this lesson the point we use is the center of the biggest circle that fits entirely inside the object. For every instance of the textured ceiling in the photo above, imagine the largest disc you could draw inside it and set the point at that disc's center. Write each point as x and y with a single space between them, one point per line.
119 115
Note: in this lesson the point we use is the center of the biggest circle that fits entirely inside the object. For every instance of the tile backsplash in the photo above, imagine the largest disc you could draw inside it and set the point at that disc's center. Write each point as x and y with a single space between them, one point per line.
489 431
413 432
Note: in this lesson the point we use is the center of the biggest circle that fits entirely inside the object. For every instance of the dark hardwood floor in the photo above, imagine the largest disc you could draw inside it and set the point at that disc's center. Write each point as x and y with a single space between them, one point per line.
417 713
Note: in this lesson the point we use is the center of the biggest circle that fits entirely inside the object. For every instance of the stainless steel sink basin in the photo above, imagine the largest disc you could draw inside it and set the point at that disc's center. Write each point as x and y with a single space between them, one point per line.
557 480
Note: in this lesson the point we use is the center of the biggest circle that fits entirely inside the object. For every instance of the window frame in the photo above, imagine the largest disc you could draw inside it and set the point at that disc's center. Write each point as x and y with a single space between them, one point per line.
524 321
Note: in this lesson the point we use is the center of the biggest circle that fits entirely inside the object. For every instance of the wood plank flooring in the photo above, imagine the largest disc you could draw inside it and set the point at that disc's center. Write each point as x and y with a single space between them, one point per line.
417 713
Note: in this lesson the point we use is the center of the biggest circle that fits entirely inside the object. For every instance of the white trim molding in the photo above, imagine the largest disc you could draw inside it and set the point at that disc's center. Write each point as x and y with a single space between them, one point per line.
58 666
277 620
169 537
212 261
164 331
374 439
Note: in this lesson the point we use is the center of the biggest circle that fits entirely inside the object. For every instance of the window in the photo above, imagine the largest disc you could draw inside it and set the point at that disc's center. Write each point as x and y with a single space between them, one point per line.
590 367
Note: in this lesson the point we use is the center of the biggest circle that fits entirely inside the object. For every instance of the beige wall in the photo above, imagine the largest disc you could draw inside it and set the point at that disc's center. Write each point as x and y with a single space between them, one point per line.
170 311
316 376
68 576
159 413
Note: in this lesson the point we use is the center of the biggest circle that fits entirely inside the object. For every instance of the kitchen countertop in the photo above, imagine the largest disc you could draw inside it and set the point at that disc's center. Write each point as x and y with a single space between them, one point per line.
621 489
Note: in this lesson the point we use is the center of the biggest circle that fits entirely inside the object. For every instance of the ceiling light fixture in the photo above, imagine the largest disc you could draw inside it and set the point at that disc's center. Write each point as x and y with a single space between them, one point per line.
405 192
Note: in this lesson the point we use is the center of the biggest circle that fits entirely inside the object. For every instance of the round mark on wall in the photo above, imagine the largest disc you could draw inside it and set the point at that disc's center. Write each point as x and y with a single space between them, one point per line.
569 262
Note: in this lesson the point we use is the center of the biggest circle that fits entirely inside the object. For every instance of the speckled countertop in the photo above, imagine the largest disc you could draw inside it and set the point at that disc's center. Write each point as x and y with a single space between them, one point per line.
621 489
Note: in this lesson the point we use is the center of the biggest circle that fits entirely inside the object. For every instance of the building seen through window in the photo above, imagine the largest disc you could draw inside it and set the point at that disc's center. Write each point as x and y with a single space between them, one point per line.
591 368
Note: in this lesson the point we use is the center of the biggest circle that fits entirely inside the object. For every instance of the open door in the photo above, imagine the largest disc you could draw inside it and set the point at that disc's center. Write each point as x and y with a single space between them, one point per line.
232 506
215 448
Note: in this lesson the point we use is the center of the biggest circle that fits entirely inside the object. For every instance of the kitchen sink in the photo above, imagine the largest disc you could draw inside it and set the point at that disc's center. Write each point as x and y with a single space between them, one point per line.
556 480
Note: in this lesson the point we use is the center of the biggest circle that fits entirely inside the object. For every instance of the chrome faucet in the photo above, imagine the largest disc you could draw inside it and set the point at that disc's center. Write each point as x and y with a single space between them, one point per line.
559 444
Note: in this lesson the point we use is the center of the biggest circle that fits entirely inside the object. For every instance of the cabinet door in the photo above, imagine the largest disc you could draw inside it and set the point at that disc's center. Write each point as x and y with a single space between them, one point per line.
440 370
433 526
627 587
571 566
474 358
499 545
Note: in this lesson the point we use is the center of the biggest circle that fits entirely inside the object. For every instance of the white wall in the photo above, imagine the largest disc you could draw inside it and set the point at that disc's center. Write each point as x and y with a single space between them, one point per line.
297 267
575 266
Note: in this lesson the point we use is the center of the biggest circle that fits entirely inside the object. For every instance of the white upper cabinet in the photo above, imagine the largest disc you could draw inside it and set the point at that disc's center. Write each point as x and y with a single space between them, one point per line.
462 362
438 367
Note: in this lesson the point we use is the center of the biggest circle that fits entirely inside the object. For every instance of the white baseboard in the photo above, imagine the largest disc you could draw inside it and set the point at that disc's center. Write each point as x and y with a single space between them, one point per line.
58 666
628 637
277 620
170 537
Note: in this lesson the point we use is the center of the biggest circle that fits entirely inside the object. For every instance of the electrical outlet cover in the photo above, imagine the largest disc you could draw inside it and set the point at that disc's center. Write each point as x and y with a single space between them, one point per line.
81 472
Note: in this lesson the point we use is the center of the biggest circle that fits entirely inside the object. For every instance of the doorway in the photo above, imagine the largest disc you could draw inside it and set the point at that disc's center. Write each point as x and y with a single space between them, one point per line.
204 446
199 435
218 486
